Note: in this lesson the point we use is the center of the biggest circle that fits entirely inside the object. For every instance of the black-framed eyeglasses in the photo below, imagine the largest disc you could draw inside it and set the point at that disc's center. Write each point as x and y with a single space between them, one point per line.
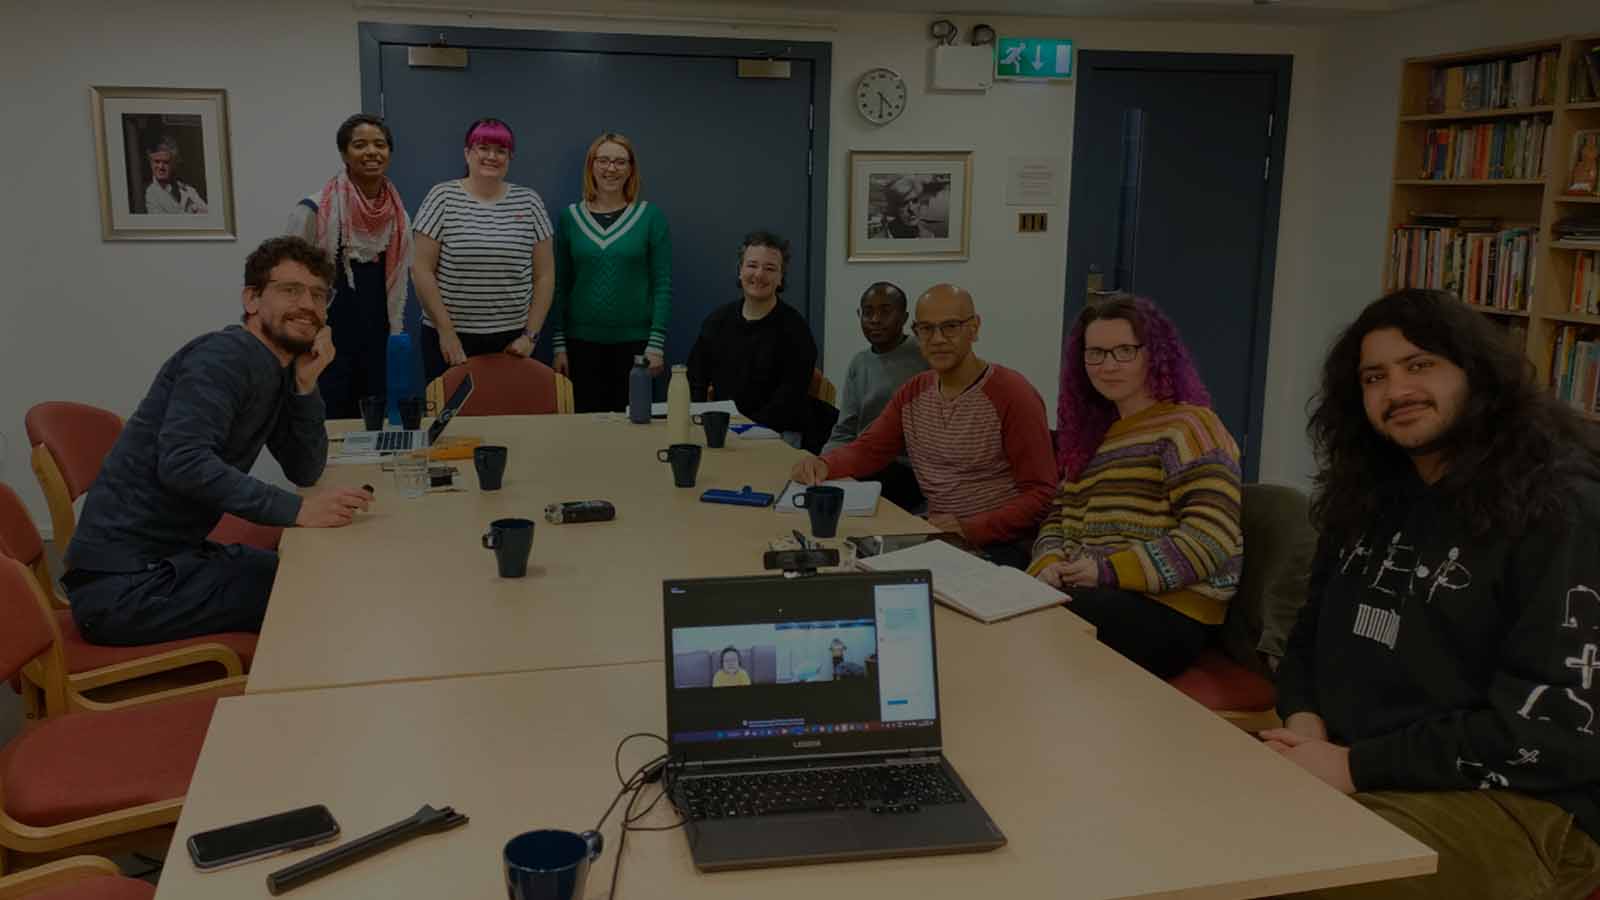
947 329
1094 356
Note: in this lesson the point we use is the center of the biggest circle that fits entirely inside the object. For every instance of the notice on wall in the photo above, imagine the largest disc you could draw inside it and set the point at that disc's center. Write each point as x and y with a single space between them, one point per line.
1034 180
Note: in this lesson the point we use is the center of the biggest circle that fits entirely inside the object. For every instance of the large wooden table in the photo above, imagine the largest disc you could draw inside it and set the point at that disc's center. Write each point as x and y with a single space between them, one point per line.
408 592
1107 782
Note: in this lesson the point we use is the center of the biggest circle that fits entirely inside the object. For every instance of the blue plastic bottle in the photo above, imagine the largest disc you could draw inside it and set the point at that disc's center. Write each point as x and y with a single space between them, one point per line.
641 392
401 375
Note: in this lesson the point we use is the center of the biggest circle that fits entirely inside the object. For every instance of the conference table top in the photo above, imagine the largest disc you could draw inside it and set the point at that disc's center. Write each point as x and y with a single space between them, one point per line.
1107 782
408 592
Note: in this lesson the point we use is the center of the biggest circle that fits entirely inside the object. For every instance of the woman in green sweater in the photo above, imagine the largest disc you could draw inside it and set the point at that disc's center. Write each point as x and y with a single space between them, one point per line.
1144 537
613 280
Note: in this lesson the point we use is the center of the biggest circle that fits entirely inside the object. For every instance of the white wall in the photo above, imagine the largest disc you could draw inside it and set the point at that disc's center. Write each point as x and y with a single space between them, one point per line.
92 320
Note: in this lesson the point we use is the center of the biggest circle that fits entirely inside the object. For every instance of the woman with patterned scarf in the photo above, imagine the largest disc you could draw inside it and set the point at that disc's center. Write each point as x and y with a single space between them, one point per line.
360 221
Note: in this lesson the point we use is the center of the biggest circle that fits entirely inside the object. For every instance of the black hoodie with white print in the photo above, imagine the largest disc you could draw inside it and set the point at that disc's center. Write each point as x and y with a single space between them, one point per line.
1448 662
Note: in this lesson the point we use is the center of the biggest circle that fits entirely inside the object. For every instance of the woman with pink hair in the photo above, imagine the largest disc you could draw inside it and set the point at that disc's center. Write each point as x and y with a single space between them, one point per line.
1144 535
485 262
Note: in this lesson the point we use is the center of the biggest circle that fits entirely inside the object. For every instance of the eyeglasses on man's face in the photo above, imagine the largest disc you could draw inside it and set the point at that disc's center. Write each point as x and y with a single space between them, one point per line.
297 291
1095 356
947 329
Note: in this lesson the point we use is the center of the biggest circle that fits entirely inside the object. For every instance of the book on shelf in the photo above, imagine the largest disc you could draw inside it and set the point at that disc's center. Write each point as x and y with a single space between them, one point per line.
1585 284
1583 178
1575 367
1488 151
1577 229
1484 267
1497 84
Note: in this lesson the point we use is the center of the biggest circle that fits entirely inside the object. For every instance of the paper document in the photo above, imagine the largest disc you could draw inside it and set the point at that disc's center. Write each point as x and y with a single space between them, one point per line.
969 584
695 409
860 497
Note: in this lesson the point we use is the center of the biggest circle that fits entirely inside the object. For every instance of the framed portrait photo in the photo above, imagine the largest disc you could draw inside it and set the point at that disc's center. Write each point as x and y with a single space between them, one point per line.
165 172
910 206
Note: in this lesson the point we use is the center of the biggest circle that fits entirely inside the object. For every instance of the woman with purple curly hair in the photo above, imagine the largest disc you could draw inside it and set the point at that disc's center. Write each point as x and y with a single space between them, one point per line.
1144 535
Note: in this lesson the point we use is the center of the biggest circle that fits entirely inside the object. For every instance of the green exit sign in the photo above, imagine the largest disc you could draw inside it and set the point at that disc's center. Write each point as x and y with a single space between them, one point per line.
1044 59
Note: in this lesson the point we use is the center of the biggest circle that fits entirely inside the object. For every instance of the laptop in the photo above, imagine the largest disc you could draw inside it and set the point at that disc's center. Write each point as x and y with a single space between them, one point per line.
803 722
367 445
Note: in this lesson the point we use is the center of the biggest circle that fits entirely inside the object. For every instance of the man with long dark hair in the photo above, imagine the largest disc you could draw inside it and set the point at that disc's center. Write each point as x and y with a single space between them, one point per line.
1444 669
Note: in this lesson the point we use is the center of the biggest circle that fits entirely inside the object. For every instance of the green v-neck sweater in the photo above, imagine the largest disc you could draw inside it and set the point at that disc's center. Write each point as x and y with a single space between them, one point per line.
613 285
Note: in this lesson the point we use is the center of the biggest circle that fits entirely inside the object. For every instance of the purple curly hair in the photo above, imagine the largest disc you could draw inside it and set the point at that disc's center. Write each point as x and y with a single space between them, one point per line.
1082 415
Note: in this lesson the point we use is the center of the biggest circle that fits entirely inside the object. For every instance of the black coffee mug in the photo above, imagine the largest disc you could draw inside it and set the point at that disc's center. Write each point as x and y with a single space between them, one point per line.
411 410
685 459
550 864
372 412
512 543
825 503
716 425
490 461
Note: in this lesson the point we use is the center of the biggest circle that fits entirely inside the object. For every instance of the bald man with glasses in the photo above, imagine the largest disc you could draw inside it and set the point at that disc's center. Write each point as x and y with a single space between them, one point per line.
975 433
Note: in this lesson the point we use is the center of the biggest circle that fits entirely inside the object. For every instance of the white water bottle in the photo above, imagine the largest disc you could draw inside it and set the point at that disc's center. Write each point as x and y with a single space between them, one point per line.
678 406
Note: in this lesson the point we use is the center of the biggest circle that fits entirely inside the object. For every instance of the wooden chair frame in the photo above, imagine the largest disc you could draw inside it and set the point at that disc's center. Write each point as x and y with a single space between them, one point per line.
59 694
55 874
63 520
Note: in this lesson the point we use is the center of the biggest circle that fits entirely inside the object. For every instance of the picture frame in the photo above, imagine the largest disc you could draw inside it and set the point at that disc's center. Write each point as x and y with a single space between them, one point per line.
910 206
165 168
1583 176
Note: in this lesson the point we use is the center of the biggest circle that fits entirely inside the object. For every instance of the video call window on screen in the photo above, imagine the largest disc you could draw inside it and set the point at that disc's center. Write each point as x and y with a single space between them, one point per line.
776 653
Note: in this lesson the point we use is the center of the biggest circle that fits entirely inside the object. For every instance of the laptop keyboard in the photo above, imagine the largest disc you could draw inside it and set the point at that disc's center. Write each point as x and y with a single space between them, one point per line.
883 789
394 440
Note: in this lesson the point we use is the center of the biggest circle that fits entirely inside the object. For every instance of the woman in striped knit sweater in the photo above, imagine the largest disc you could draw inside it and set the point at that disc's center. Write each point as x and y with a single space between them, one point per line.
1144 535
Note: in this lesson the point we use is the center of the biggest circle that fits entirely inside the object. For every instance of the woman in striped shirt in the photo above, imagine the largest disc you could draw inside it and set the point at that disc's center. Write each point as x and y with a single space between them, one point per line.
1144 535
485 265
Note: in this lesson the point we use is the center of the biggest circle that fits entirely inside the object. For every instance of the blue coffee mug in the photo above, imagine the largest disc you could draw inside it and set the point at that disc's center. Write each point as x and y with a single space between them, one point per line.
550 864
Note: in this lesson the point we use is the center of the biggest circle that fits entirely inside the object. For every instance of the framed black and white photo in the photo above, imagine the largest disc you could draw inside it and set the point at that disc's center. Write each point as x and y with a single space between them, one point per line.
164 164
909 206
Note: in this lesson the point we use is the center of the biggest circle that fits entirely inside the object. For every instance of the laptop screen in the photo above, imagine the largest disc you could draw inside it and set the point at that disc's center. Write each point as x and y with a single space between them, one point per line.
452 406
767 667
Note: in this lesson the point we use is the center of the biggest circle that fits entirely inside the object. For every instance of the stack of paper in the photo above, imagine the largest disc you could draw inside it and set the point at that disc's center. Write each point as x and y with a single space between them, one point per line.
977 587
860 497
659 410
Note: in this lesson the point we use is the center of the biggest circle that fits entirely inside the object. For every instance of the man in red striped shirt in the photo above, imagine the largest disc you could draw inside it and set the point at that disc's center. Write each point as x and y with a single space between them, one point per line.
975 433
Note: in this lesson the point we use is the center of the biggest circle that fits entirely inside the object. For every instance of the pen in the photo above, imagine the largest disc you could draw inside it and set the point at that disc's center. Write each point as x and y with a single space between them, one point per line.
802 539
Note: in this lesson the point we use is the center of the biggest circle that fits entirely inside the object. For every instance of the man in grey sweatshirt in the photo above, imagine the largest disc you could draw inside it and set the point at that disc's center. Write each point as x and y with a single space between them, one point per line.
139 568
891 360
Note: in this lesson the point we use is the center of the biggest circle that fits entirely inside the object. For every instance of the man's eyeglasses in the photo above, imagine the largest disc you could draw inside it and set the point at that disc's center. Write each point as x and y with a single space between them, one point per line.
1094 356
947 329
298 291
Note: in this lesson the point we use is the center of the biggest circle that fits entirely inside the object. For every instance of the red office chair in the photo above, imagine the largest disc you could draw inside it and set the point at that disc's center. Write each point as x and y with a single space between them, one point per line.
70 441
506 385
89 666
89 776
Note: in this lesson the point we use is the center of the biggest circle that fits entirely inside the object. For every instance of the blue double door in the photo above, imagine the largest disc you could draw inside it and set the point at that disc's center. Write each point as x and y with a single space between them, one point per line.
719 155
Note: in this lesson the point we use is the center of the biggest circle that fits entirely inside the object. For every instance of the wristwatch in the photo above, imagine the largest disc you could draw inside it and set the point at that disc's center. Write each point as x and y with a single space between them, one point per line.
531 334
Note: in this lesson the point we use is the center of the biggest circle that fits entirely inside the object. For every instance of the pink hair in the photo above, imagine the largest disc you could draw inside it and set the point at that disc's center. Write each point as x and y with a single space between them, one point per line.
1083 416
492 131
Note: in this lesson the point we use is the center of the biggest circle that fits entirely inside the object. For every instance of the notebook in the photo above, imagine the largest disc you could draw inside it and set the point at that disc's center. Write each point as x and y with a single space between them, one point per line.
860 497
968 584
804 722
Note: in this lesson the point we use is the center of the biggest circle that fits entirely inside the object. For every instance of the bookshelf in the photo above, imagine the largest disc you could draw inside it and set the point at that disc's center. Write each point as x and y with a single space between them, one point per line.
1451 139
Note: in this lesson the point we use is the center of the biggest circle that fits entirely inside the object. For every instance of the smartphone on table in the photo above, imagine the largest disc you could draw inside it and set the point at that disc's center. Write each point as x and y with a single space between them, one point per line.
266 836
